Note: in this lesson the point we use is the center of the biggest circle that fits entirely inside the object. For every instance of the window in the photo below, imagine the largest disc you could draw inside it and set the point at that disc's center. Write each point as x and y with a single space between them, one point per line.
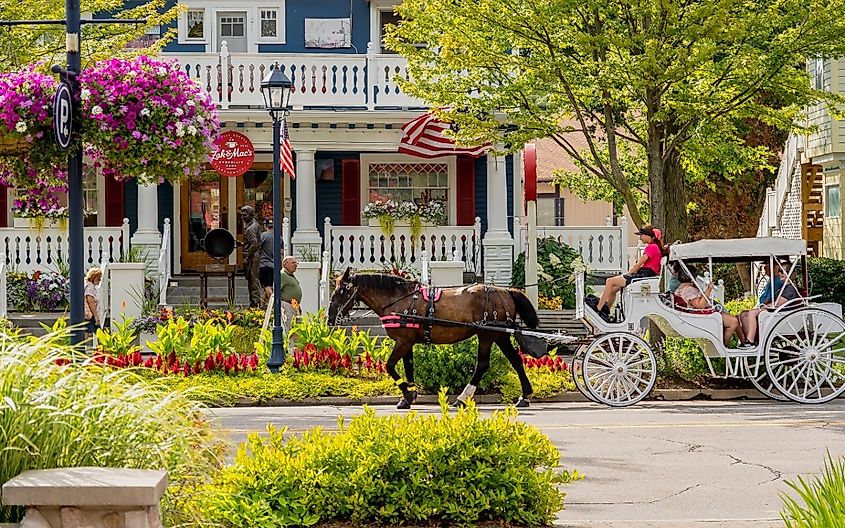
269 23
387 17
415 182
90 195
832 206
150 37
195 24
232 26
550 210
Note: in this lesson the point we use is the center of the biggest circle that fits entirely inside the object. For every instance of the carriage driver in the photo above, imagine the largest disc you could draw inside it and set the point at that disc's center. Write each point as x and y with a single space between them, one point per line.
647 266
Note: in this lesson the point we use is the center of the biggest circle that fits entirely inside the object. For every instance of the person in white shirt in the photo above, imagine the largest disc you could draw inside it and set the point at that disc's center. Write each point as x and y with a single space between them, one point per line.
92 299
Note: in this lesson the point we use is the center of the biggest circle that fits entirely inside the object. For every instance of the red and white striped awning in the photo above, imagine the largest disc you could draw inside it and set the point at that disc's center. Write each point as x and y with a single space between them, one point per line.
423 137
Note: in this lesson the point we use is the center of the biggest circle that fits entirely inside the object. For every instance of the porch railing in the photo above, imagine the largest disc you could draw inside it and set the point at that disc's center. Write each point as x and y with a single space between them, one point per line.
366 247
603 249
319 79
29 249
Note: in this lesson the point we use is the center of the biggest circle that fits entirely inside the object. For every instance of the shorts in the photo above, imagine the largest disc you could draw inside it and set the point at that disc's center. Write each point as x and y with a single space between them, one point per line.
643 273
91 326
265 277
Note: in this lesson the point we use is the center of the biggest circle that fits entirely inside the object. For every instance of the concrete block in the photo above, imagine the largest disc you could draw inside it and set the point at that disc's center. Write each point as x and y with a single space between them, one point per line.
86 486
136 519
34 519
76 518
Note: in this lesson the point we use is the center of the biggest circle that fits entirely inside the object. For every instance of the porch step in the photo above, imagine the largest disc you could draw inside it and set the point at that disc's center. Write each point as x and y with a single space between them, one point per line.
185 290
563 320
30 323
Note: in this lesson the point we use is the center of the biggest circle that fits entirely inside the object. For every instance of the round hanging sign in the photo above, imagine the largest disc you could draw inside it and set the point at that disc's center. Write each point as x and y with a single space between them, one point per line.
233 154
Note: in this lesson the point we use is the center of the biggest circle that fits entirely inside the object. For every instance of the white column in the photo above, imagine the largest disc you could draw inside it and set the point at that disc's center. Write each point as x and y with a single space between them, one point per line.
498 243
306 241
147 237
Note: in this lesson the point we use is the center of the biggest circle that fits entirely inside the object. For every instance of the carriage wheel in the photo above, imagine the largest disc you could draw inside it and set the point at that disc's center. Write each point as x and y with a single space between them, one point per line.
805 355
762 382
576 368
619 369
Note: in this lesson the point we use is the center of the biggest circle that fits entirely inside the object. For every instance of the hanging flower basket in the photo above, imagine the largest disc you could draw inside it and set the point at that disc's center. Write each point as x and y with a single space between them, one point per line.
146 119
29 158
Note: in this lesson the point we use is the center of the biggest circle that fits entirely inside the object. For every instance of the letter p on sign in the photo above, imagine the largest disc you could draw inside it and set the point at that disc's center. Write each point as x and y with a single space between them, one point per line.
63 115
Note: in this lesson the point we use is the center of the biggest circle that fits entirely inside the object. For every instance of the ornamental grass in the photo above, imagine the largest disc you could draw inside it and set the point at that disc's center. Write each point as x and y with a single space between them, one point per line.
821 501
56 414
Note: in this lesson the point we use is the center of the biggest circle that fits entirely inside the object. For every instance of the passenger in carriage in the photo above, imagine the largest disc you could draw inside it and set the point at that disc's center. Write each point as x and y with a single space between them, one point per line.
647 266
784 294
692 295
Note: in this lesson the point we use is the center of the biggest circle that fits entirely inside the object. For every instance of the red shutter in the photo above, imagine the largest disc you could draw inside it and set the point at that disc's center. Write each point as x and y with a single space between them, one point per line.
4 206
465 191
114 202
351 199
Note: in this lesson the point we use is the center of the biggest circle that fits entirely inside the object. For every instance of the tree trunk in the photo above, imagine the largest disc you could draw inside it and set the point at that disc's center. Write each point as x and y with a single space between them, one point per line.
674 223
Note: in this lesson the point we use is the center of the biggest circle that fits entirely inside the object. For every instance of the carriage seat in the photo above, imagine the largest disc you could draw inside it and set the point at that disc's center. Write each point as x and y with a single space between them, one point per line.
678 304
644 283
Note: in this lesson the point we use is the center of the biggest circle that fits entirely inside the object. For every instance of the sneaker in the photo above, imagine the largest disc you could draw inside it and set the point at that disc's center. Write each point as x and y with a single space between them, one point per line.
606 316
746 346
605 309
592 302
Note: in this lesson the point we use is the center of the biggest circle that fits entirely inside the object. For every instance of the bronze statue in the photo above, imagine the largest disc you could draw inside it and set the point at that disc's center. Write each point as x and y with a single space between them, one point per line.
252 257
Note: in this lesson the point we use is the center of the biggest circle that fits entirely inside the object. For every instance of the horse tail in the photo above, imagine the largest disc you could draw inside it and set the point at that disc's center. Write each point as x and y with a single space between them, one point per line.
525 309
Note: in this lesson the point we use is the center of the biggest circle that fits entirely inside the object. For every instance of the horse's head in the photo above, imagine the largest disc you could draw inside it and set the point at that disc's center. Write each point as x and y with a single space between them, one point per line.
343 298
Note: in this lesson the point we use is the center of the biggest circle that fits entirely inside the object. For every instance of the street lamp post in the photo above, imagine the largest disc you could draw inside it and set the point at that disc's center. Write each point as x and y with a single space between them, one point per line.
276 88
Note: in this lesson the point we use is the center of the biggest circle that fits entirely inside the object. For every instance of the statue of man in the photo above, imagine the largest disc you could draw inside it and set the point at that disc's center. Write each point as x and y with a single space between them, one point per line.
252 257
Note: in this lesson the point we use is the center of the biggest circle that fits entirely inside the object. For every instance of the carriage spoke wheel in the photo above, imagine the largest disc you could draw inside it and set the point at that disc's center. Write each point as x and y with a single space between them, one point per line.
761 381
805 355
619 369
577 371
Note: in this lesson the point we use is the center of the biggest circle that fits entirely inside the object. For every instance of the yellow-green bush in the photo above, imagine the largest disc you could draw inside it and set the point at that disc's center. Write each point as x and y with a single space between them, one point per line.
821 501
394 469
81 414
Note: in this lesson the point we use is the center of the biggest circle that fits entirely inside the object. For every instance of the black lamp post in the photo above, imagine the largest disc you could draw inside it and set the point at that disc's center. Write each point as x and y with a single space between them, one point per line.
276 88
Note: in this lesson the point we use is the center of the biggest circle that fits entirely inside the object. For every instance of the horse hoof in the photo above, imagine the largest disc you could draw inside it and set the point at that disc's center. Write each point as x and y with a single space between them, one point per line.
522 403
403 404
459 404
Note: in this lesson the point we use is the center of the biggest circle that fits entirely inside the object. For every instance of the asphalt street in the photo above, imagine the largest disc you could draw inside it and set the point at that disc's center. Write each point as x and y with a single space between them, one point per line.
658 464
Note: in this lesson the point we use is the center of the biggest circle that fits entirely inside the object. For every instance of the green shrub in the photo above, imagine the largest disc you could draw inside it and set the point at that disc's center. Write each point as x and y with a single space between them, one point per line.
681 358
244 339
394 469
827 278
739 305
554 261
80 414
546 383
822 500
452 366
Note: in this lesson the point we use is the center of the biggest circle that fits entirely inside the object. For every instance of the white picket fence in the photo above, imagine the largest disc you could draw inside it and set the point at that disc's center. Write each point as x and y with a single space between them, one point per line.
28 249
603 249
366 247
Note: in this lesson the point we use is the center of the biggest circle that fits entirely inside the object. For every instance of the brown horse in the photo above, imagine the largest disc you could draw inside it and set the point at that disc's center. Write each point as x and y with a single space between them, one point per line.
390 296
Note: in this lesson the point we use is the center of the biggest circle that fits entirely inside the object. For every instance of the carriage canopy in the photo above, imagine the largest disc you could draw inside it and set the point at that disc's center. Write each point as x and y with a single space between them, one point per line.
738 249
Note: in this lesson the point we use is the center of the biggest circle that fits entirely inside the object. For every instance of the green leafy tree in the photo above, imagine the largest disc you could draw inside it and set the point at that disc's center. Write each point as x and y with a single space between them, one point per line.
667 81
23 45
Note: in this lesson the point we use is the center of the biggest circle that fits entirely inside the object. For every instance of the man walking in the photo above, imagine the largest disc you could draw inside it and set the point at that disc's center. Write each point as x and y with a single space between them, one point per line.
252 259
291 291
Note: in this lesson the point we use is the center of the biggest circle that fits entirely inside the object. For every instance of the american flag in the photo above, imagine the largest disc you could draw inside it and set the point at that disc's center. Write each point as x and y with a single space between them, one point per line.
423 137
287 153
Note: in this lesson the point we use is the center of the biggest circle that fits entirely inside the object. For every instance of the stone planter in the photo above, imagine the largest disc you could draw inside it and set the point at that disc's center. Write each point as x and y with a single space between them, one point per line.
126 289
38 224
448 273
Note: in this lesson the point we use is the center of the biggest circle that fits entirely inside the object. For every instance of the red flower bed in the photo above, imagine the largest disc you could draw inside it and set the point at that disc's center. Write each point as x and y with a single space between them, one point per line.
554 364
309 358
228 364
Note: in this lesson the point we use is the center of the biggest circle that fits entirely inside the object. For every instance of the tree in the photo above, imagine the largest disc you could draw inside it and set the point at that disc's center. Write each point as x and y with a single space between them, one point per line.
666 81
24 45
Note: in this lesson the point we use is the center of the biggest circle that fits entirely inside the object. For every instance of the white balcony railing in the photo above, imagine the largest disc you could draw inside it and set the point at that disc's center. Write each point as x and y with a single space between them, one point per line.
366 247
319 79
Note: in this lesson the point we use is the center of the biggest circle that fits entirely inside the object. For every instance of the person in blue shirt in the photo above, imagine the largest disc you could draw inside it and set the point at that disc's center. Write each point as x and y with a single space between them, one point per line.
783 294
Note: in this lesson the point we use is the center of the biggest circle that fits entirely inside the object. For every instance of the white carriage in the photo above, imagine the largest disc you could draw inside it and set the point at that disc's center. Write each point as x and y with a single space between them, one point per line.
801 350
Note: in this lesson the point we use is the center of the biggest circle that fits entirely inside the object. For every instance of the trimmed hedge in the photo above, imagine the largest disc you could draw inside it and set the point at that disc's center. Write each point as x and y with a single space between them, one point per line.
394 469
452 366
827 278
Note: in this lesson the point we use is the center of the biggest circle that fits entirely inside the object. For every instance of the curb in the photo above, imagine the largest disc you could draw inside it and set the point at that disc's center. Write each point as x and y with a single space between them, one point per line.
492 399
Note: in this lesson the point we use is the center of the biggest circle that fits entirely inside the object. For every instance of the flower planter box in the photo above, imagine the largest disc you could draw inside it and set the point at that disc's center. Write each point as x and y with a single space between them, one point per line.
33 223
374 222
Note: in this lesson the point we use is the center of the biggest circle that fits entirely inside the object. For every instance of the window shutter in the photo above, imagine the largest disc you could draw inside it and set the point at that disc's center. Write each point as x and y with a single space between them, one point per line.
465 191
4 206
351 199
114 202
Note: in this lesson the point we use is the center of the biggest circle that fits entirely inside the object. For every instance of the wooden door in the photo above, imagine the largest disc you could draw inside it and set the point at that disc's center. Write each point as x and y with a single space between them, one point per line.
205 206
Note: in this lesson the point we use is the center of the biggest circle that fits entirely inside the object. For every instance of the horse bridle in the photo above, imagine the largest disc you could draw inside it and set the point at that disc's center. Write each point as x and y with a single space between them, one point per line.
344 307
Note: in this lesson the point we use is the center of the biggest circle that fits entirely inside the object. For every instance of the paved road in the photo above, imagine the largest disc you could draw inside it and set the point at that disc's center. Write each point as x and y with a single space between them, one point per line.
659 464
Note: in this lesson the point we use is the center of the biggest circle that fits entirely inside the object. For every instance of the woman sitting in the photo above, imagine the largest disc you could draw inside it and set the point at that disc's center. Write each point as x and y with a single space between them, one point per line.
693 296
784 291
647 266
92 299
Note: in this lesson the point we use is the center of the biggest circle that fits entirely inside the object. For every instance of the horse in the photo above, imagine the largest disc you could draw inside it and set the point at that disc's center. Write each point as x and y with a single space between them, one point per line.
390 297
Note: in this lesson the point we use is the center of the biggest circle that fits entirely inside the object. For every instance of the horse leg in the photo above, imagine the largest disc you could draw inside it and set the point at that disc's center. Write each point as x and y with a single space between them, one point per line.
510 352
485 343
408 362
409 390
